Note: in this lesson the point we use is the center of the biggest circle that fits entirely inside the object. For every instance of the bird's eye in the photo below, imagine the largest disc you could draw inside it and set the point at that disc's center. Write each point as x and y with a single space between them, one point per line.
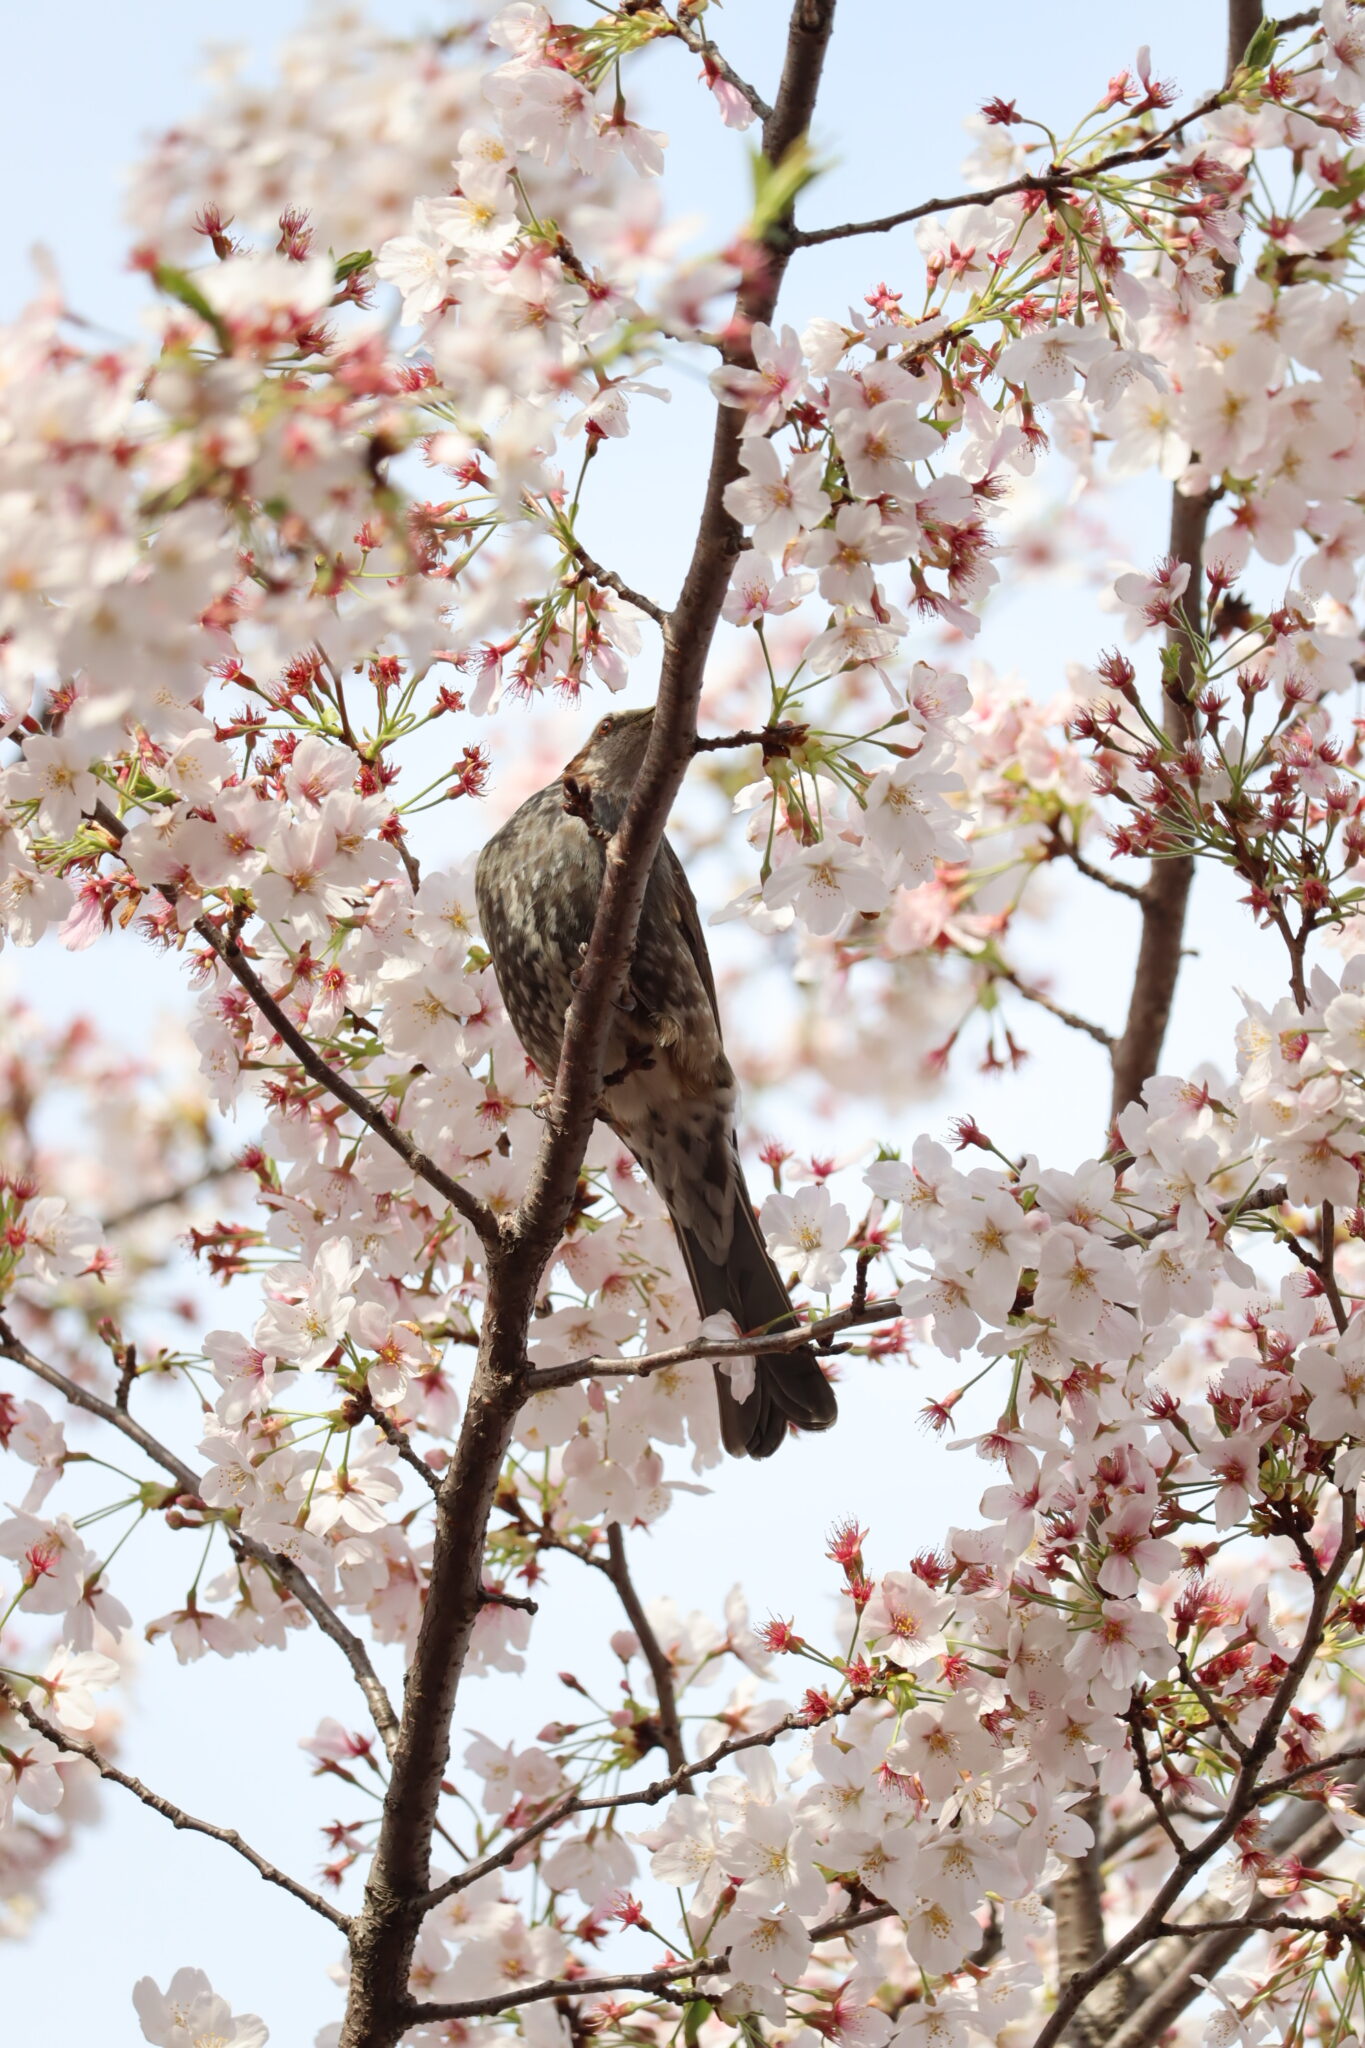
607 725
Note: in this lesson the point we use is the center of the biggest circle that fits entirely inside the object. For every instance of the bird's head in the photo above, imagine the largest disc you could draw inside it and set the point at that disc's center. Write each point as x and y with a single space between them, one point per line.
610 761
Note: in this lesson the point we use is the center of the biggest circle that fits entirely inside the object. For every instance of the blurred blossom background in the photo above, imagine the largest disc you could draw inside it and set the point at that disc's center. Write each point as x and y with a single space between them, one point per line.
88 87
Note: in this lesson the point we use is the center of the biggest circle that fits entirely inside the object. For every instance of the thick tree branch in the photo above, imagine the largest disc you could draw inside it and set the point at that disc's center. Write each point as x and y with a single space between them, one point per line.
168 1809
1166 892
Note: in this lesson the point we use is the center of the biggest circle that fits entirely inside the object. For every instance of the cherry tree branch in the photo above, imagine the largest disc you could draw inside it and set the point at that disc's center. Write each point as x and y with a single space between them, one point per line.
188 1484
824 1329
1166 892
1077 1987
998 971
697 40
465 1204
819 1332
611 581
366 1404
640 1980
1165 1983
148 1206
167 1808
1069 850
660 1669
1060 178
643 1795
226 946
1138 1738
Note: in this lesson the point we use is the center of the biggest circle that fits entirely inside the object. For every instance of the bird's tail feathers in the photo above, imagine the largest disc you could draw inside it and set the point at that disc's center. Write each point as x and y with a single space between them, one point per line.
789 1386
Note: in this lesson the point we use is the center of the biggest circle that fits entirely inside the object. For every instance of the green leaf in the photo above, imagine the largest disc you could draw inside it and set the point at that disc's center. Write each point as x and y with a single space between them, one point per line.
1260 51
347 266
179 285
695 2016
776 185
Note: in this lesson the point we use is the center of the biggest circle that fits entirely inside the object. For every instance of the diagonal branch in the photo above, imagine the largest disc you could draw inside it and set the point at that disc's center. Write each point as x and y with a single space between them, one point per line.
188 1483
474 1212
655 1981
1165 1982
1112 1964
660 1669
697 40
215 1171
228 950
1058 843
168 1810
609 579
998 971
643 1795
1060 178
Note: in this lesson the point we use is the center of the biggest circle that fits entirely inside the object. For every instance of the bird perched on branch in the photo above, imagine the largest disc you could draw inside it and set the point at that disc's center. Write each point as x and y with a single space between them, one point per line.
669 1091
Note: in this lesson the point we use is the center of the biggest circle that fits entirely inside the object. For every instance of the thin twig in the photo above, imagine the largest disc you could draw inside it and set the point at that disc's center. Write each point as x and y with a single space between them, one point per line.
660 1669
822 1332
644 1795
611 581
1146 1780
1058 179
640 1980
221 1170
1210 1705
1074 1991
228 950
494 1596
776 1342
777 741
168 1810
701 45
1336 1924
999 972
365 1404
188 1484
474 1212
1134 891
1172 1975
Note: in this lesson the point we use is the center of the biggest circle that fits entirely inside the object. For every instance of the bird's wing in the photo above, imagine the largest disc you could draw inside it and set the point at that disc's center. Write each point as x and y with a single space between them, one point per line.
682 908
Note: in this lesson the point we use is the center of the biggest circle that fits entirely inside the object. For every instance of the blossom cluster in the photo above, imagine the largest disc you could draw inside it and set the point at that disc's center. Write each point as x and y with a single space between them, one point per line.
267 581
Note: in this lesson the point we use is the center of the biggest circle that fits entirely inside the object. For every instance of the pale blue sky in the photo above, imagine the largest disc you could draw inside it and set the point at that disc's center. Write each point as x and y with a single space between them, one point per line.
85 82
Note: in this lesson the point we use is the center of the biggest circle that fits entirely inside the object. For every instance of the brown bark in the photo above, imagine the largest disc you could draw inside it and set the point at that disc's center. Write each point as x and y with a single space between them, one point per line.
1166 894
1081 1936
383 1934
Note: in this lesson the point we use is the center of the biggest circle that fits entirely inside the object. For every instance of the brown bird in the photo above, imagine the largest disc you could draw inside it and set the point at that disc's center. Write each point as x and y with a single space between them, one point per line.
669 1091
